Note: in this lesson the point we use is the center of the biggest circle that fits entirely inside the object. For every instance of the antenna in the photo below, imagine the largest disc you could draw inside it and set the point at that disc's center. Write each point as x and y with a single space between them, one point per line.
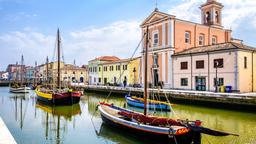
74 62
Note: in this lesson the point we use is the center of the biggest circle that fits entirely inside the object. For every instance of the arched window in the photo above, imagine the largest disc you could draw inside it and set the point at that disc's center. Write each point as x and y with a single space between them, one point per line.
81 79
201 39
207 17
187 37
217 17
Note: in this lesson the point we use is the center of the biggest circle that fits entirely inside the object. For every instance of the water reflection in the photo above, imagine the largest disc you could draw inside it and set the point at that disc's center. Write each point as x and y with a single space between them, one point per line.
20 105
35 123
56 119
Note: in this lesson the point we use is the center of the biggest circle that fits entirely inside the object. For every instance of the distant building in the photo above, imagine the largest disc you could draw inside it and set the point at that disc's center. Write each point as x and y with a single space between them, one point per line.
68 73
29 74
116 72
93 68
169 35
231 64
14 71
71 74
4 75
52 71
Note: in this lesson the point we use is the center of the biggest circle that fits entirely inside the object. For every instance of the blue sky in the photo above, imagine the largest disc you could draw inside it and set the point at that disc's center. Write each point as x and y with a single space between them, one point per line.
91 28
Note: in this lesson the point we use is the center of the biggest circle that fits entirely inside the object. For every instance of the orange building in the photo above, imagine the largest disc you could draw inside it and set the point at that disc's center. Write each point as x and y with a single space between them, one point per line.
168 35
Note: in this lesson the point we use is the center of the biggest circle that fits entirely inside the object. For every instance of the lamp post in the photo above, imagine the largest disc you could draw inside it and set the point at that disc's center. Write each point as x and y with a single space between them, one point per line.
134 71
216 77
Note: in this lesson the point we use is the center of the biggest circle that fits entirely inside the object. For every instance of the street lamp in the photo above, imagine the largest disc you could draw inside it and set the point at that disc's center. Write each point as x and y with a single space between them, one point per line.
134 71
216 77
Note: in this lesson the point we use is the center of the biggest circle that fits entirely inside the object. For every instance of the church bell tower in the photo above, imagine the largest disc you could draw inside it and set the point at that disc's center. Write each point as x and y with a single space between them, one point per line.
212 13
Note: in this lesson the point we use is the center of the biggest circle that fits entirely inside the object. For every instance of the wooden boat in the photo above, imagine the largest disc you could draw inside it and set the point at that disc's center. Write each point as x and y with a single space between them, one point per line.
115 116
23 89
57 96
151 127
152 104
19 87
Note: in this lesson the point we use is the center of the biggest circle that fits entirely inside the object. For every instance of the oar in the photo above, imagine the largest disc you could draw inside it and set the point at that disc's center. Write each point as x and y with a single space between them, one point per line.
208 131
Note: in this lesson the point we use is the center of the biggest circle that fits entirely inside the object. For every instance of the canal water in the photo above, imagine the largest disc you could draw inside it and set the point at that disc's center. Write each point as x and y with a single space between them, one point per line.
33 123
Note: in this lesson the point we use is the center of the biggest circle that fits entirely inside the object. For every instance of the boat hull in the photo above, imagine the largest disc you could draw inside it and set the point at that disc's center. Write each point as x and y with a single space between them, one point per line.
152 133
20 90
65 98
139 104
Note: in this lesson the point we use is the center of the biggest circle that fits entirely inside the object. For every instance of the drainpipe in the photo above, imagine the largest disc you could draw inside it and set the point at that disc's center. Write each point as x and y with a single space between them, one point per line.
191 76
252 72
208 71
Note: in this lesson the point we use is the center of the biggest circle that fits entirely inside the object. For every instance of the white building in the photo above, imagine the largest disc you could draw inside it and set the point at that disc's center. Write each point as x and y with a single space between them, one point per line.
233 64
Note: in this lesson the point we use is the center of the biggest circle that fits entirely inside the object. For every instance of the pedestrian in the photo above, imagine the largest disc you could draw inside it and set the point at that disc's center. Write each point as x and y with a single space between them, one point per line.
125 82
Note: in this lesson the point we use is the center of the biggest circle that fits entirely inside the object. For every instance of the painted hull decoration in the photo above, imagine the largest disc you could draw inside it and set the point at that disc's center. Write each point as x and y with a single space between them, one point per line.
152 104
61 97
20 90
139 124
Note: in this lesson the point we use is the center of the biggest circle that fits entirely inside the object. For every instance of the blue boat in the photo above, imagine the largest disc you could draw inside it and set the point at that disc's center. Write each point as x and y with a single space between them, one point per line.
152 104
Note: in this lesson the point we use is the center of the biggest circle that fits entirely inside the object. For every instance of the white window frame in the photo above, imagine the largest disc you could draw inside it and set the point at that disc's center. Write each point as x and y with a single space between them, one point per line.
157 38
201 40
214 40
187 39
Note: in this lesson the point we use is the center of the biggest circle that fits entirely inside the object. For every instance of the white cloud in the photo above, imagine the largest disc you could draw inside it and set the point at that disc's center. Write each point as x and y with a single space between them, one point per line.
34 46
119 39
234 12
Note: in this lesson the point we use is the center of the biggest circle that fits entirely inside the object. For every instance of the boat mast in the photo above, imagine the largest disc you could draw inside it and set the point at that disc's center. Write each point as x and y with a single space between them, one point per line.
58 47
47 70
21 71
35 73
146 75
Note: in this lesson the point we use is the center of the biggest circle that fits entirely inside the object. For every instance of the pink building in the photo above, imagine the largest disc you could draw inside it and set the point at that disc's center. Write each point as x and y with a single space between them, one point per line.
168 35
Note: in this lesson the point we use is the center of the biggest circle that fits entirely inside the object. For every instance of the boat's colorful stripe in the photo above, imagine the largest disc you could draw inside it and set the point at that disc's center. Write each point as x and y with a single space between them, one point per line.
142 127
65 98
20 90
151 105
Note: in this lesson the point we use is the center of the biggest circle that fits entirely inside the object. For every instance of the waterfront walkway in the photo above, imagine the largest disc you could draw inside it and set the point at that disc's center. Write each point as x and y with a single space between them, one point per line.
5 135
241 101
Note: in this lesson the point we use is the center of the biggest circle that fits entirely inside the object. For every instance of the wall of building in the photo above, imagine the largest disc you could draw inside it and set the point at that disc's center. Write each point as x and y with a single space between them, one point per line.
133 77
245 73
254 72
70 74
195 30
209 72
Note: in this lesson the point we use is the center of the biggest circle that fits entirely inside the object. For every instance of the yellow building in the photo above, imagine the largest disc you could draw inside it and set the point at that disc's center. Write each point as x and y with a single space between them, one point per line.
116 72
52 70
68 73
74 75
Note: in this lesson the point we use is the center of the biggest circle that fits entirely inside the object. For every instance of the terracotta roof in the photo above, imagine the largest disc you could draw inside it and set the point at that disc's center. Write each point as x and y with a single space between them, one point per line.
120 61
217 47
107 58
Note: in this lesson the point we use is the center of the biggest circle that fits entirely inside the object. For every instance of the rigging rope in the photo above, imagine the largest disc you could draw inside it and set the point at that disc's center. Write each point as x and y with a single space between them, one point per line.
133 54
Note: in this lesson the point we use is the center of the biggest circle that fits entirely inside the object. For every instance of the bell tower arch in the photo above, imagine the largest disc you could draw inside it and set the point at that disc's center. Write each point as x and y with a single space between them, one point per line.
211 13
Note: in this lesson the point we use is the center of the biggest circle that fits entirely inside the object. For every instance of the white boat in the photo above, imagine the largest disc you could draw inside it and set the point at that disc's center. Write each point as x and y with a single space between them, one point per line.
20 90
19 87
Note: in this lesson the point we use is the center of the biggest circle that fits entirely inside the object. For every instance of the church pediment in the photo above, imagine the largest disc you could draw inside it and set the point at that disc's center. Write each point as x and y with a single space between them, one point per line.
155 16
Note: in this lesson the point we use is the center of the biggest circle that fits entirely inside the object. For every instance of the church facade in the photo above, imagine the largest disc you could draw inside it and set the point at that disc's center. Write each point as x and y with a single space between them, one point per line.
169 35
